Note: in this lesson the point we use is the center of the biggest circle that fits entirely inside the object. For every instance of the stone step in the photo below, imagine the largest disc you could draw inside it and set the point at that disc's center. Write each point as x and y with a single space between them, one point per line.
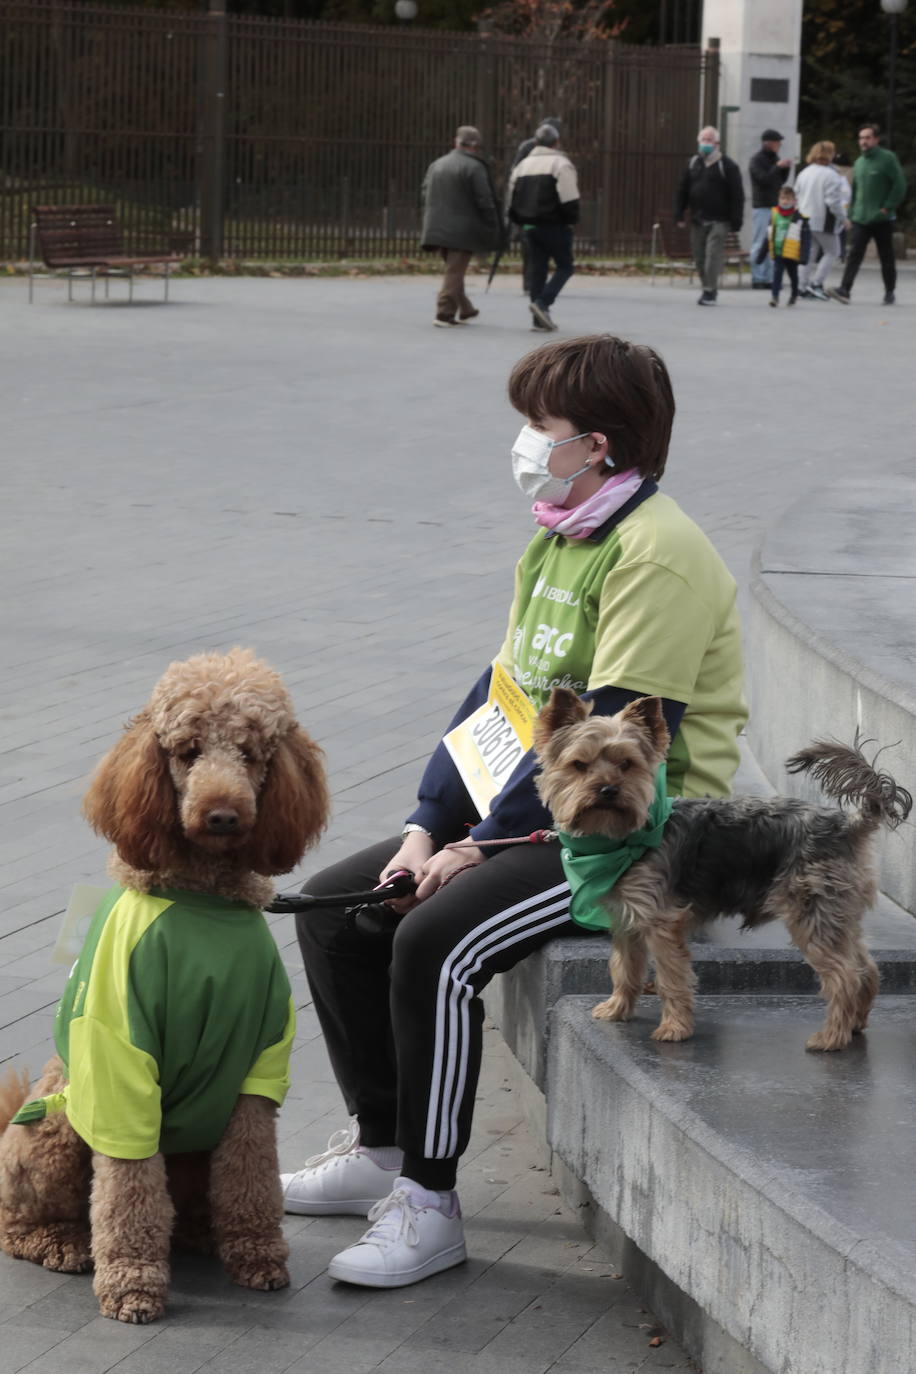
741 1176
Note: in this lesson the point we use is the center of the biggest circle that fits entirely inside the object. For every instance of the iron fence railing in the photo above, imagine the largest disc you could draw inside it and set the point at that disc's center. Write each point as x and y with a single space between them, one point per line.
231 136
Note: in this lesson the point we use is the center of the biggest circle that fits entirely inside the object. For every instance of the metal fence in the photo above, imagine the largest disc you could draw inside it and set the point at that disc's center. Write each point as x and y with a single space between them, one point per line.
230 136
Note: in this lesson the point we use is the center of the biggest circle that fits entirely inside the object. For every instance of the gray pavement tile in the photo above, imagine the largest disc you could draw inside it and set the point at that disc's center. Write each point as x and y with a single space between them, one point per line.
470 1321
261 1350
621 1335
343 1354
100 1346
68 1304
163 1355
21 1344
427 1361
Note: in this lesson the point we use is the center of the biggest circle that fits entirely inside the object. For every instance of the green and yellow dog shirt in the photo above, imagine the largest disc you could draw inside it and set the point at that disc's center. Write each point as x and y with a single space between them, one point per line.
177 1004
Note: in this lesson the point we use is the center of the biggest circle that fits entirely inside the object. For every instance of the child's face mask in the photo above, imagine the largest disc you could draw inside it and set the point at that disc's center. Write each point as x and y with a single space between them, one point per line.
531 466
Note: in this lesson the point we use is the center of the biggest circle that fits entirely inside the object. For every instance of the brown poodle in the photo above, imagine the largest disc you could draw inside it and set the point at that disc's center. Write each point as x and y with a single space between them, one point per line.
212 789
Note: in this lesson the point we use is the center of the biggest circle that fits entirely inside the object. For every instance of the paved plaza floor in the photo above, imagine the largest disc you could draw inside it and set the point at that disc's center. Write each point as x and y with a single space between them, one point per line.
310 468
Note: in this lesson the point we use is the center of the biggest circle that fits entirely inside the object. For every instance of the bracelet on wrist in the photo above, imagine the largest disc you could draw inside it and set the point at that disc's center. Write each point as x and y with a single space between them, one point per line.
412 828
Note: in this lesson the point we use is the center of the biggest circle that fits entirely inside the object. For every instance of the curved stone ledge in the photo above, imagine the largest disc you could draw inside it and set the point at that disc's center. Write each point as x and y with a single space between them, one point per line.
755 1175
831 641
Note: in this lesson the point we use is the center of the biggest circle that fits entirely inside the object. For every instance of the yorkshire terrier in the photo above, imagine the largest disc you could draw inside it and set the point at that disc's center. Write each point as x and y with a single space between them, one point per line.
811 866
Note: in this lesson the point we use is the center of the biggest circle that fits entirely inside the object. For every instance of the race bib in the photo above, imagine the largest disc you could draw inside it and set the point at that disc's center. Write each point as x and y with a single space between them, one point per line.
487 746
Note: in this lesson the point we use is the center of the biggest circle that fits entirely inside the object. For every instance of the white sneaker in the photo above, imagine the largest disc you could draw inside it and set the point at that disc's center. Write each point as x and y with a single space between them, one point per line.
406 1242
341 1181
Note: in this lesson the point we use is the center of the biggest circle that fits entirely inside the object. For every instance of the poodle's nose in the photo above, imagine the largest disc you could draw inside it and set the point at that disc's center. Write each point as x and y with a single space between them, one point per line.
608 792
222 821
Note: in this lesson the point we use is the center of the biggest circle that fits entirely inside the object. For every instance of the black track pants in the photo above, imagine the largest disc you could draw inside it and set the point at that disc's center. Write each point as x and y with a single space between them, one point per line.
401 1013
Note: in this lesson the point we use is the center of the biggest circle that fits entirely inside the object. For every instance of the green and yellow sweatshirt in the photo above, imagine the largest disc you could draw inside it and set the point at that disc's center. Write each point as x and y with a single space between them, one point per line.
177 1004
644 606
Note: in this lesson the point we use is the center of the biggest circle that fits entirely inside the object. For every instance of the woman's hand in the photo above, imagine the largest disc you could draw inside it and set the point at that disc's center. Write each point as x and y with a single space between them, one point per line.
444 866
415 851
430 871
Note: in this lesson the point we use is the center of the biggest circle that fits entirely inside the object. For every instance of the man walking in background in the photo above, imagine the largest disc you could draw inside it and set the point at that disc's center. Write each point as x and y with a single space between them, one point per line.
768 173
521 152
711 190
878 187
543 198
461 217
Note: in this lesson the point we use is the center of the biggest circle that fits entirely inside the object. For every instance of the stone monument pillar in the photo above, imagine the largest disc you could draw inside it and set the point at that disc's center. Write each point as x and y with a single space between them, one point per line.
760 47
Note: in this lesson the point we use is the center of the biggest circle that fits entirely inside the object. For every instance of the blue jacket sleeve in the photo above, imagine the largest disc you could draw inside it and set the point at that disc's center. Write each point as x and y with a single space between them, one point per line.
444 807
518 809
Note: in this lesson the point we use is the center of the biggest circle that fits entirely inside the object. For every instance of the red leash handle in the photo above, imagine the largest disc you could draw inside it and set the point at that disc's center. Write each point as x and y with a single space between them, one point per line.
536 837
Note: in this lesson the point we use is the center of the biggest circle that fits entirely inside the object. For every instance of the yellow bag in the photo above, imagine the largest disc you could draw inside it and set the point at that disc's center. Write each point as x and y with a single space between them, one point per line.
791 244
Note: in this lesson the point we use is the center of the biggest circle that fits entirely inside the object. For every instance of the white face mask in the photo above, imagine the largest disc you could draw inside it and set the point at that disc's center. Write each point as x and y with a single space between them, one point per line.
531 466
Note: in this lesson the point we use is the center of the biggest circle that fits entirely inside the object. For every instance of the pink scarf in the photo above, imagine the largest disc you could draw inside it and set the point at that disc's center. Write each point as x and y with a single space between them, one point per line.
582 520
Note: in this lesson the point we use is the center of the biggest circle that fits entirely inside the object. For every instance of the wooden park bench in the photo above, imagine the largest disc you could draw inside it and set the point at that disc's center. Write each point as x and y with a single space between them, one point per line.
87 240
671 250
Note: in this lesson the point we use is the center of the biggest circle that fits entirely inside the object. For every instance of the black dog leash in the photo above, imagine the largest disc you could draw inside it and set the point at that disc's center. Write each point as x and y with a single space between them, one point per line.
400 884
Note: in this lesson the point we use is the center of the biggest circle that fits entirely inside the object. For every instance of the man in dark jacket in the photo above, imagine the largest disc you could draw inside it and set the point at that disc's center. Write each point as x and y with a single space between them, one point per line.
461 217
712 191
543 199
768 172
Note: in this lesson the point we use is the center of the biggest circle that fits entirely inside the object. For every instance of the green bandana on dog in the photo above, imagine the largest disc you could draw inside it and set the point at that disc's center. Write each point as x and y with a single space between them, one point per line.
594 864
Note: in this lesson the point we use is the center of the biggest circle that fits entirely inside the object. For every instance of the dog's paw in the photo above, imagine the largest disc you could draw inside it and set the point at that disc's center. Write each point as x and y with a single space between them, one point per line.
138 1308
827 1040
63 1248
614 1009
260 1272
72 1258
672 1031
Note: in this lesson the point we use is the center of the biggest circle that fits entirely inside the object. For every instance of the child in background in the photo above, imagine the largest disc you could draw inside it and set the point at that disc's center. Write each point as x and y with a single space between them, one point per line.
788 243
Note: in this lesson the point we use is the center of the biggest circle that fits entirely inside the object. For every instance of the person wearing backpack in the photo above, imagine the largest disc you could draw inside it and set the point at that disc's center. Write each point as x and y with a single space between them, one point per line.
712 191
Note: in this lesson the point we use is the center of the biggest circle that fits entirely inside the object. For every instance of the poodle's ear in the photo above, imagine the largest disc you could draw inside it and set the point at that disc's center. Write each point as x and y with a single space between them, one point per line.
563 708
131 800
293 805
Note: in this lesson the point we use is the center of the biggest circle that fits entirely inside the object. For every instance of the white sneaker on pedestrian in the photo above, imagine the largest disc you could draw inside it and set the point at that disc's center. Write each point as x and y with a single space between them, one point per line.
409 1240
341 1181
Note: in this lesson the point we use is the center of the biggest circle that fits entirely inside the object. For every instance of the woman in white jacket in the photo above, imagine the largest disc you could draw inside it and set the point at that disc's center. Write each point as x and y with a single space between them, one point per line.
823 198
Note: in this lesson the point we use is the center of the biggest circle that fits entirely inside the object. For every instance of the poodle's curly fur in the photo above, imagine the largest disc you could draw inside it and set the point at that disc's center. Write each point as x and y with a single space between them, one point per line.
212 788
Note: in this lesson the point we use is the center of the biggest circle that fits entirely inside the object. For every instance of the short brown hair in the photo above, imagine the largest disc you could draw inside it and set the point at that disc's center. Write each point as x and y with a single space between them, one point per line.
822 152
601 383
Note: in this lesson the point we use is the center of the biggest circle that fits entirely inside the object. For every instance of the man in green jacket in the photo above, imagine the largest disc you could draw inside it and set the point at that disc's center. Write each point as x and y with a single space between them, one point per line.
878 187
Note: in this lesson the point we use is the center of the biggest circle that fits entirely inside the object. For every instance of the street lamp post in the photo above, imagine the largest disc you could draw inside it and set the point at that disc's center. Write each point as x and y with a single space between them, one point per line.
892 8
406 10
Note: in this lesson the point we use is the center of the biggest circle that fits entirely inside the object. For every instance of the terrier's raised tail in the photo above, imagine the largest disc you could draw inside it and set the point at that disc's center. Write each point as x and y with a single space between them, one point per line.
845 774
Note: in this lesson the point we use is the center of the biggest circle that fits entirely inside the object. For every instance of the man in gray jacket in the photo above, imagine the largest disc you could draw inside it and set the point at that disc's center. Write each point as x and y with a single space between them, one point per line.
461 217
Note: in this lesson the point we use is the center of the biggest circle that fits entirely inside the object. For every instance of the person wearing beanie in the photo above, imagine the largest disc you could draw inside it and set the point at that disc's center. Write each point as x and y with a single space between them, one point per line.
543 199
768 172
521 152
461 217
878 187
